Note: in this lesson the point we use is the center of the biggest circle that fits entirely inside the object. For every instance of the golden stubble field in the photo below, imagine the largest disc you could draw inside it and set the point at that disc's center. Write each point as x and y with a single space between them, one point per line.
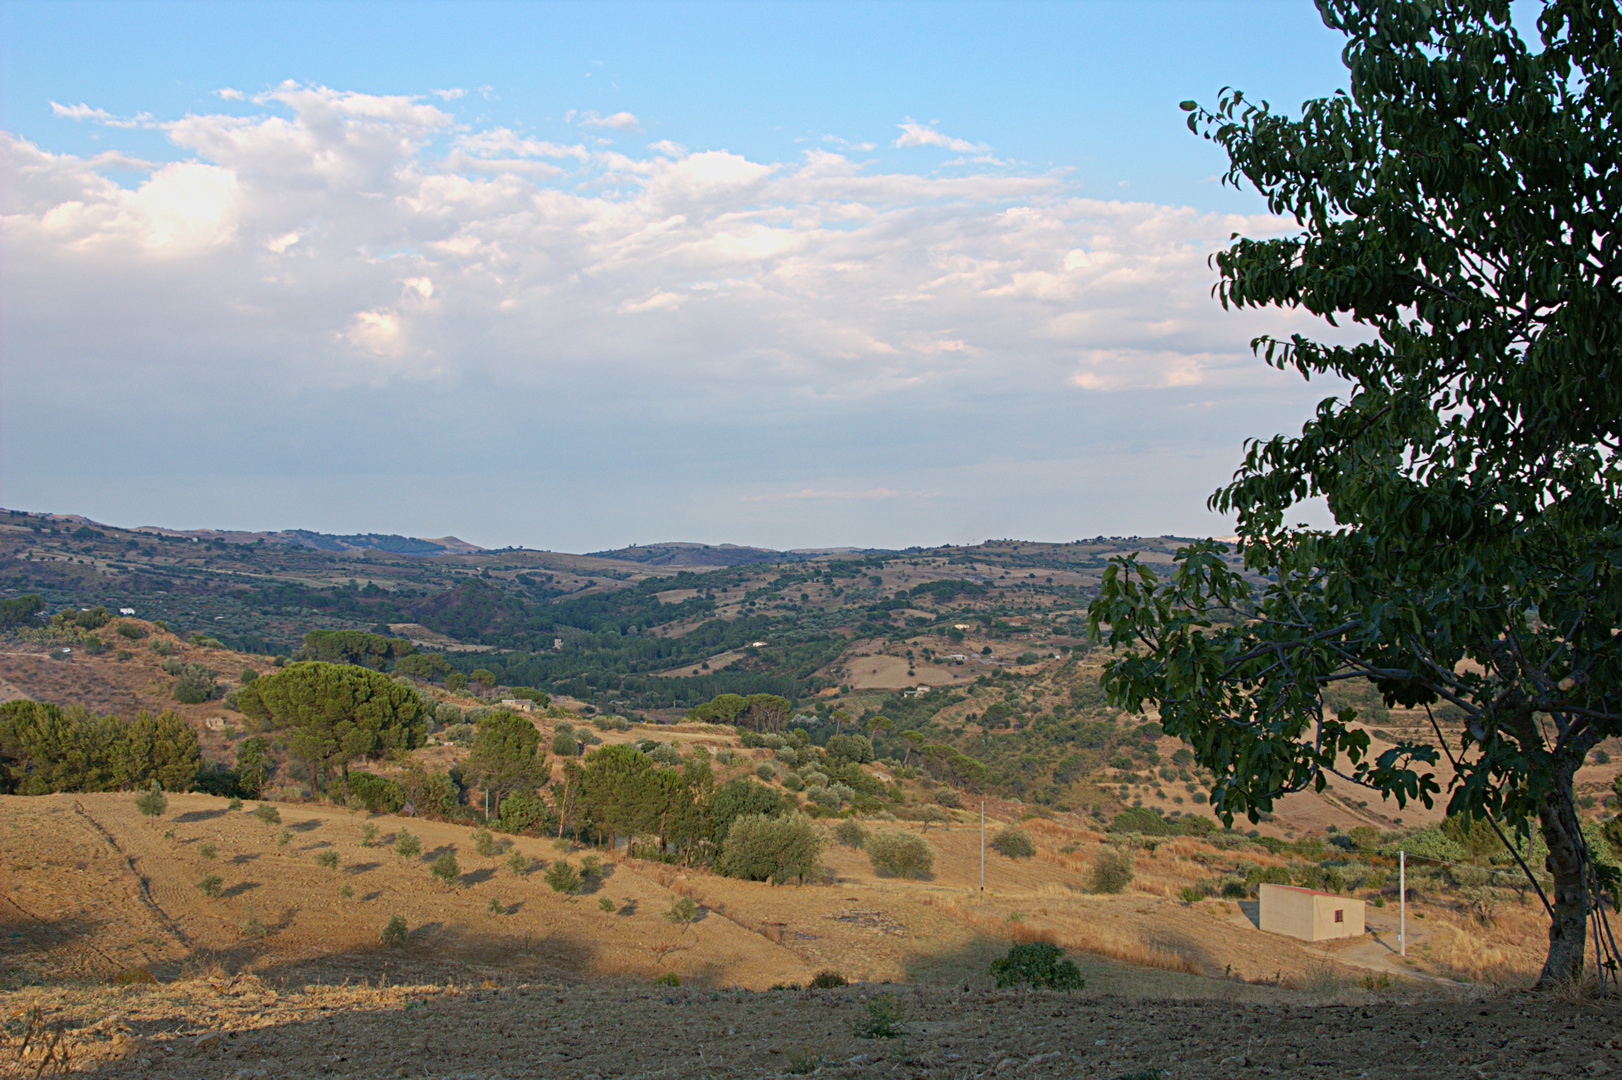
108 939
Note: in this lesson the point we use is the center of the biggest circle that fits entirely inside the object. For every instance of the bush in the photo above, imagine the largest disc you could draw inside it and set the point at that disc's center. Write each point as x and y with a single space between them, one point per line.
395 932
195 685
792 782
562 878
1039 964
268 814
850 833
130 630
765 771
327 858
564 744
590 866
207 851
901 854
669 978
775 849
524 812
606 905
518 862
152 802
211 885
884 1013
407 846
1112 872
445 868
1013 842
368 834
378 794
484 843
682 912
827 980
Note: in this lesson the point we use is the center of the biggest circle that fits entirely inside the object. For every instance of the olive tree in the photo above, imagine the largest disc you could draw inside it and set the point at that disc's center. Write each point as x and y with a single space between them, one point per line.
1459 205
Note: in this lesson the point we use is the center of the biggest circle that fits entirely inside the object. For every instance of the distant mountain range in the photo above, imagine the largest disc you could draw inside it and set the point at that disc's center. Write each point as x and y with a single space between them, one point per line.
389 542
685 554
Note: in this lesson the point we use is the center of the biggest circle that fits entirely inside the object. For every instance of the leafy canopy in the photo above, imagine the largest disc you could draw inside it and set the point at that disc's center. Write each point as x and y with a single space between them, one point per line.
1459 206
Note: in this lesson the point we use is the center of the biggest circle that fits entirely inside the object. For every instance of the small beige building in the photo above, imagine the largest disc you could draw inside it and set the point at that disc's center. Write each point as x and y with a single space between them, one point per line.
1308 914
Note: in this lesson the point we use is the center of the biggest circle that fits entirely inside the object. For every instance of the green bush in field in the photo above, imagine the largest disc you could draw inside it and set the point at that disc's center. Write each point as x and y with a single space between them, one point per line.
606 905
562 878
327 858
406 845
775 849
211 885
268 814
884 1013
446 869
368 834
152 802
395 932
900 854
1112 872
850 833
1013 842
518 862
1036 963
484 843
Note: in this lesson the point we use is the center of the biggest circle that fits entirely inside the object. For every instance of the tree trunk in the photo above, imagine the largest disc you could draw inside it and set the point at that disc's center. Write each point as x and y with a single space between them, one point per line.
1568 932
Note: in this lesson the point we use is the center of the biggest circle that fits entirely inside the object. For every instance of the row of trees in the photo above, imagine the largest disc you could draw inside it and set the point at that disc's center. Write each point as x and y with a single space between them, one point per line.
46 749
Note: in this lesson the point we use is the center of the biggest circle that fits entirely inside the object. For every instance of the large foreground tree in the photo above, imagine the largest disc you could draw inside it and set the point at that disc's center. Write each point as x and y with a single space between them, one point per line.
1462 206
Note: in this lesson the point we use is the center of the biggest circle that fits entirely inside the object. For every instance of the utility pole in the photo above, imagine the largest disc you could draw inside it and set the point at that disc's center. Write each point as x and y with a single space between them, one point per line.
1402 891
982 845
487 806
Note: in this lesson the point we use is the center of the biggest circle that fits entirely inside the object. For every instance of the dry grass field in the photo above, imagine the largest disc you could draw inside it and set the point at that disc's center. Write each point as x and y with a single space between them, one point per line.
107 933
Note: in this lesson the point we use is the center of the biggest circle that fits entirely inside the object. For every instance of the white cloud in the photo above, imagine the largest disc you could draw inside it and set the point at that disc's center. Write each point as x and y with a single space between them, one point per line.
227 94
82 111
915 134
620 121
449 95
331 254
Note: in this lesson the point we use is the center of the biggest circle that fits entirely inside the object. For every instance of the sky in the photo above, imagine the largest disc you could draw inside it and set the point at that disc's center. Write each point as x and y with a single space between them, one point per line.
575 276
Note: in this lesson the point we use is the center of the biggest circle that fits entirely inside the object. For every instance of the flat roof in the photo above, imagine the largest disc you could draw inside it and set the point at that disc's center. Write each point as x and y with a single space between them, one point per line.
1312 892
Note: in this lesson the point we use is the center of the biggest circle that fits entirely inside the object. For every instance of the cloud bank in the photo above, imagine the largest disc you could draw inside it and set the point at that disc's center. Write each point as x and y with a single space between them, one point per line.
321 246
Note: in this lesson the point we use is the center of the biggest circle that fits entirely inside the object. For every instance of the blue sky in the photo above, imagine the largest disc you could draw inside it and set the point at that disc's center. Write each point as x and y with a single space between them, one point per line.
573 276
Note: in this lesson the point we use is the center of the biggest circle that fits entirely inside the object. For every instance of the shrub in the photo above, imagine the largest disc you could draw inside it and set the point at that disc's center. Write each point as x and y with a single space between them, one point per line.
378 794
765 771
564 744
484 843
234 805
211 885
395 932
407 846
761 848
793 782
524 812
345 892
884 1013
669 978
682 912
268 814
606 905
518 862
562 878
327 858
152 802
368 834
1112 872
827 980
283 837
1013 842
130 630
195 686
590 866
445 868
207 851
1036 963
850 833
495 906
900 854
